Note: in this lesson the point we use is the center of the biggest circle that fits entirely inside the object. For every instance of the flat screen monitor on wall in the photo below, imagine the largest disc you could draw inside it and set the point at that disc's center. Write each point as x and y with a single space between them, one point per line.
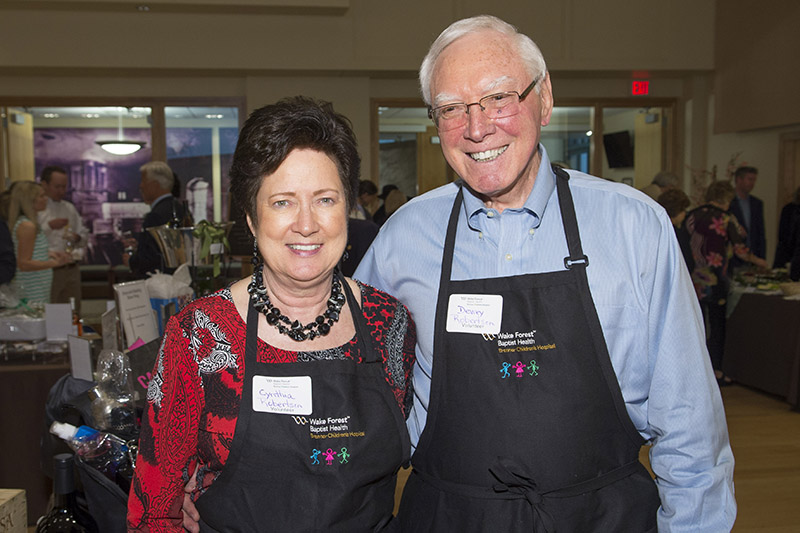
619 149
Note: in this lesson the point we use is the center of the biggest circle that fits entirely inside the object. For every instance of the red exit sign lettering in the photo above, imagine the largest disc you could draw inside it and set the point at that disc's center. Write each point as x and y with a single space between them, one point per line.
640 87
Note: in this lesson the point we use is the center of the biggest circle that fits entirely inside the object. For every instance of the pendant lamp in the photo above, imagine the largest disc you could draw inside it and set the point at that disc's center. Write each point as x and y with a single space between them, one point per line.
120 146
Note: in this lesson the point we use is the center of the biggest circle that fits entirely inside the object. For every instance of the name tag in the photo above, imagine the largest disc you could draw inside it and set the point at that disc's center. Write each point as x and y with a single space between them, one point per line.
282 395
474 313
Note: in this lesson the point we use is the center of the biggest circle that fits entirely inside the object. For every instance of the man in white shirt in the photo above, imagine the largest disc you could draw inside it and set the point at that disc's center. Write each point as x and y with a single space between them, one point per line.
65 232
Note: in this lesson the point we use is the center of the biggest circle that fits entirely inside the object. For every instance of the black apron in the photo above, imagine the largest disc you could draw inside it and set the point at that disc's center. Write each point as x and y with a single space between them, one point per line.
333 470
527 429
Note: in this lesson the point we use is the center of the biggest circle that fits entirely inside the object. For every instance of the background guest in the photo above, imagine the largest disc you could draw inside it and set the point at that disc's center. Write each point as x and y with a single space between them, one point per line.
143 254
749 212
715 236
35 262
360 234
676 202
367 202
65 232
662 182
392 198
8 261
787 231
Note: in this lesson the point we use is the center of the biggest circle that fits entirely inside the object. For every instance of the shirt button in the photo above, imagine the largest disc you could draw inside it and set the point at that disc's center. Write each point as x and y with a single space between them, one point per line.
508 257
531 231
490 214
480 235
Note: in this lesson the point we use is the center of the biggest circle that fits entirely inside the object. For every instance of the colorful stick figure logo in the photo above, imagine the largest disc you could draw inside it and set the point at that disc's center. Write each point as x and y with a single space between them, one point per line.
315 456
534 367
329 455
343 457
504 370
519 366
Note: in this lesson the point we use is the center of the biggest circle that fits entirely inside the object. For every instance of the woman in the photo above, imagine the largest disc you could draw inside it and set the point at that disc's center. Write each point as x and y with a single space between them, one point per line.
293 427
715 236
676 202
35 263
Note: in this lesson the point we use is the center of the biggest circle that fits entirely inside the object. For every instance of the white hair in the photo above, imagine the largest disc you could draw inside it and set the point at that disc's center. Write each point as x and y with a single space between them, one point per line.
159 172
528 52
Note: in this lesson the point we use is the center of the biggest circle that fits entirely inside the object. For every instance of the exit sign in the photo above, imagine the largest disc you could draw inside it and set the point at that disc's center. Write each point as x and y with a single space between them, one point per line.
640 87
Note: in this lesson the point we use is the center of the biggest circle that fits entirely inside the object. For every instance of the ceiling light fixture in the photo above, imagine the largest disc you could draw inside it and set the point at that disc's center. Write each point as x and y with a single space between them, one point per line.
120 146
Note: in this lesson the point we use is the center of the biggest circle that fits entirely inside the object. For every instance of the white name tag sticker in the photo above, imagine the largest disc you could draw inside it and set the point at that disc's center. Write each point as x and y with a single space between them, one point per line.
282 395
474 313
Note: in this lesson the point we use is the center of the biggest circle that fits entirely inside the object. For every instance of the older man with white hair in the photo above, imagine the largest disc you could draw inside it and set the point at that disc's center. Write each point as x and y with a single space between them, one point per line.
143 254
558 330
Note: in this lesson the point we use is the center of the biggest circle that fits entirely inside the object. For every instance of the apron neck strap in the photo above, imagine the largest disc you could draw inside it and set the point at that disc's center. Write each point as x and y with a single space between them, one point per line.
576 255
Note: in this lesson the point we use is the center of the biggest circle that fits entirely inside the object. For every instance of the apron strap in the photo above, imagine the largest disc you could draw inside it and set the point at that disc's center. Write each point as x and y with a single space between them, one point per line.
576 255
362 334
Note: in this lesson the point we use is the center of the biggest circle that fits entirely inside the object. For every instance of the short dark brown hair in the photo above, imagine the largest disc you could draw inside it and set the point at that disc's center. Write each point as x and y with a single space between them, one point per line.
272 132
48 171
741 171
674 201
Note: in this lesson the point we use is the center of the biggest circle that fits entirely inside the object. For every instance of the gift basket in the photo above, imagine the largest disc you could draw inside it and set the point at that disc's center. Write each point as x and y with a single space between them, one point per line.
99 422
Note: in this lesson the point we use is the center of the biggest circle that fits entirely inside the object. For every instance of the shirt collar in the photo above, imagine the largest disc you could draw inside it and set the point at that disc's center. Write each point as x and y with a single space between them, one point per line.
159 199
536 203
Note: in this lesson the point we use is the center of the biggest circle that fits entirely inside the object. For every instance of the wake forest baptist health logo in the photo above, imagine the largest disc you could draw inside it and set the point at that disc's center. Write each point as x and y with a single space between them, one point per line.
517 345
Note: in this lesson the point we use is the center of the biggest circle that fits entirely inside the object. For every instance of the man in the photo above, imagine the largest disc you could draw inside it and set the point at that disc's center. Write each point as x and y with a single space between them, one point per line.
564 325
749 211
367 202
662 182
143 254
65 232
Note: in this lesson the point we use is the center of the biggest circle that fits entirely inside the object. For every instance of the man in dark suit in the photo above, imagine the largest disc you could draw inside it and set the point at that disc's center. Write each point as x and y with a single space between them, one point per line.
749 211
143 255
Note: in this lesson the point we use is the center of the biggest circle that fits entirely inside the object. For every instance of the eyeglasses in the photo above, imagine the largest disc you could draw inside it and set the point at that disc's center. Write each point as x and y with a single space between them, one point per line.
499 105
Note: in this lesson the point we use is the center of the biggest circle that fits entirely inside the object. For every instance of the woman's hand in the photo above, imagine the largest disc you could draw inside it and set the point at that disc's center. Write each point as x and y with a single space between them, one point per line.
61 258
191 518
757 261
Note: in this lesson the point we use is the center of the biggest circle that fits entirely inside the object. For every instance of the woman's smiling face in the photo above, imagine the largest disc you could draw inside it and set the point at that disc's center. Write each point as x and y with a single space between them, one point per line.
302 219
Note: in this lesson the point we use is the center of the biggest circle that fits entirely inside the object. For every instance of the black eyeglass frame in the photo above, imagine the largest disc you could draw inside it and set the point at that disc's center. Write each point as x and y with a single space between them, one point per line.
521 96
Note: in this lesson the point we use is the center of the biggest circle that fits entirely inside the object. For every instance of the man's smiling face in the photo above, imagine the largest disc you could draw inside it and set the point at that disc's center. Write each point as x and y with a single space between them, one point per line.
497 158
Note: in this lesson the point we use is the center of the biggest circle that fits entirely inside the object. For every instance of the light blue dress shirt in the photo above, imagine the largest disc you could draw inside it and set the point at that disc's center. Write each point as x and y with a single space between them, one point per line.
644 298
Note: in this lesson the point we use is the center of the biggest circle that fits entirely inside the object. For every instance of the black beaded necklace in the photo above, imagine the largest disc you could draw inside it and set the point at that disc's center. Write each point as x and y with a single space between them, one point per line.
321 325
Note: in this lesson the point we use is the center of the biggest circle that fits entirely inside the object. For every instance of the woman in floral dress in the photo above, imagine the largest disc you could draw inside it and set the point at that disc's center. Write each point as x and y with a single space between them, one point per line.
715 236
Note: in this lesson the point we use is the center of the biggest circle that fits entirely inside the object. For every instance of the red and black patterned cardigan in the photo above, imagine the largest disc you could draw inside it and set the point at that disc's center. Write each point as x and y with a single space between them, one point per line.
193 399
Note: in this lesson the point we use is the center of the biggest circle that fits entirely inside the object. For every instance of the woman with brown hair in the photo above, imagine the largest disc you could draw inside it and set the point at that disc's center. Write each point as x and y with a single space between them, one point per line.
715 236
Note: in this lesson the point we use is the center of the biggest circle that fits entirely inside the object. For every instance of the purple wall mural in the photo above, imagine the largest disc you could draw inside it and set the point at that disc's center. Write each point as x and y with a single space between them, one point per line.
105 187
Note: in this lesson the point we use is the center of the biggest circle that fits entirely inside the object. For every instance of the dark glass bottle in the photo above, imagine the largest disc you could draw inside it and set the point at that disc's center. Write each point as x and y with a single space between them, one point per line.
63 517
187 221
175 221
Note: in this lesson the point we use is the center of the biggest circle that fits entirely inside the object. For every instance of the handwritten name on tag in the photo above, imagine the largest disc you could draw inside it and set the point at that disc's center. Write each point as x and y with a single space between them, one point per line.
474 313
282 395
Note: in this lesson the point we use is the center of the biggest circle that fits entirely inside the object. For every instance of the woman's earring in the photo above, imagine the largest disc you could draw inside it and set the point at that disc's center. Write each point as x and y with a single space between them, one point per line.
255 260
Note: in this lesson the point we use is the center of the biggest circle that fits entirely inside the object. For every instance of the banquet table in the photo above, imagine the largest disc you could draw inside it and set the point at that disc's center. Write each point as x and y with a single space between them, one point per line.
762 345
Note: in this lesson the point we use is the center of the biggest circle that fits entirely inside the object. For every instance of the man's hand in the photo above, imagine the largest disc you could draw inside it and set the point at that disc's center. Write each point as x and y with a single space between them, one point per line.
58 223
191 518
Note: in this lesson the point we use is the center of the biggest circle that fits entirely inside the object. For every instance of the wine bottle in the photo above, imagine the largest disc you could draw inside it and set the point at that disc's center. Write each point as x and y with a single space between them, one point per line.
63 517
175 221
188 220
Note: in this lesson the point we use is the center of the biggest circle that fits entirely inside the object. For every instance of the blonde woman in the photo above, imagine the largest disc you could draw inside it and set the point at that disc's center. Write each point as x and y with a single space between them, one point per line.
35 263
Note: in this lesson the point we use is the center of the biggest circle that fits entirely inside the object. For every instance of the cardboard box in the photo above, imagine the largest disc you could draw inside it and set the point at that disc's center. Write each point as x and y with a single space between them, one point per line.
13 511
